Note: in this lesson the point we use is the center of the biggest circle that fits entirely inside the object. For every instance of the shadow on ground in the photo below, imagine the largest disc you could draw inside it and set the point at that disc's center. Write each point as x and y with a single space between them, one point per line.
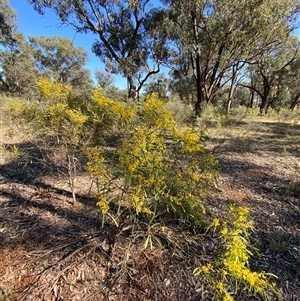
260 170
56 251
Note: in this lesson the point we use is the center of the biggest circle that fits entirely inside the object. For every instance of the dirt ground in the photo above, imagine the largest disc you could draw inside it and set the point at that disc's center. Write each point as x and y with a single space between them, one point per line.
53 250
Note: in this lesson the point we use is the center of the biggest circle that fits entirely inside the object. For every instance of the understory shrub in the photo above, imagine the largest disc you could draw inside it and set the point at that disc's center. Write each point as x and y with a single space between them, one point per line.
165 169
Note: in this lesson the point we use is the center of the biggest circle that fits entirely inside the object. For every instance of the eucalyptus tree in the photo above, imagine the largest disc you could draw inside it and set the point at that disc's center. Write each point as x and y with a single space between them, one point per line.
292 82
216 36
18 72
159 85
104 79
58 59
269 73
8 23
127 40
183 86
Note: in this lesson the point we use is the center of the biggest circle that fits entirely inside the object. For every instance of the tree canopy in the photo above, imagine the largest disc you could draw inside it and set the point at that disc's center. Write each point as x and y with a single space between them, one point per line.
213 37
126 34
8 23
57 58
213 48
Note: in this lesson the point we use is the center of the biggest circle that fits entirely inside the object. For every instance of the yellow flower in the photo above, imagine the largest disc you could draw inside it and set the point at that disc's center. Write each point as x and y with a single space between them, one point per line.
103 205
224 231
224 272
202 208
53 91
216 222
76 117
220 286
242 210
163 228
125 113
195 177
188 140
203 269
96 163
227 297
156 115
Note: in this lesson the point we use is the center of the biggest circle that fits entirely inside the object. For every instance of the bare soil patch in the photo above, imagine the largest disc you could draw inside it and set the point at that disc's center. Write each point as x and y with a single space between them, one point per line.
52 250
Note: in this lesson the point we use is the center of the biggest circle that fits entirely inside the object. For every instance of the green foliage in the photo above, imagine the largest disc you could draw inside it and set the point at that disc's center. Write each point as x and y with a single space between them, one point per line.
58 59
230 271
7 23
213 116
127 43
165 169
18 73
159 85
285 115
181 112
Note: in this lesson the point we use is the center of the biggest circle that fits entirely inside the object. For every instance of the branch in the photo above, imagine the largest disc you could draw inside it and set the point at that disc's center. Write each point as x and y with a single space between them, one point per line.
252 88
141 83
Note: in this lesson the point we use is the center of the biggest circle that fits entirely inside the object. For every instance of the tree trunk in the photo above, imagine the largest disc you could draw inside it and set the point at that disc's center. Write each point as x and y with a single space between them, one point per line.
295 101
251 99
200 98
235 69
230 96
71 175
132 91
197 67
263 106
264 97
199 86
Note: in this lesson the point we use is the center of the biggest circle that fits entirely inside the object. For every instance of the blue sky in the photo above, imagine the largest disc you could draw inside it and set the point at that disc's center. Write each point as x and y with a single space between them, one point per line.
30 23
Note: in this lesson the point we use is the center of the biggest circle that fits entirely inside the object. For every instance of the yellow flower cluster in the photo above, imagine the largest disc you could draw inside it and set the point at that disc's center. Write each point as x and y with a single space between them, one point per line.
98 169
139 202
215 222
188 139
76 117
161 165
204 269
110 106
234 265
226 296
96 164
241 220
142 155
103 205
52 91
236 257
156 115
59 115
142 159
186 186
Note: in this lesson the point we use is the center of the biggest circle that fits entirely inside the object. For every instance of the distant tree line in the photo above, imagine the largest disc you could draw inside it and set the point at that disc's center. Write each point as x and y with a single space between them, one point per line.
219 52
